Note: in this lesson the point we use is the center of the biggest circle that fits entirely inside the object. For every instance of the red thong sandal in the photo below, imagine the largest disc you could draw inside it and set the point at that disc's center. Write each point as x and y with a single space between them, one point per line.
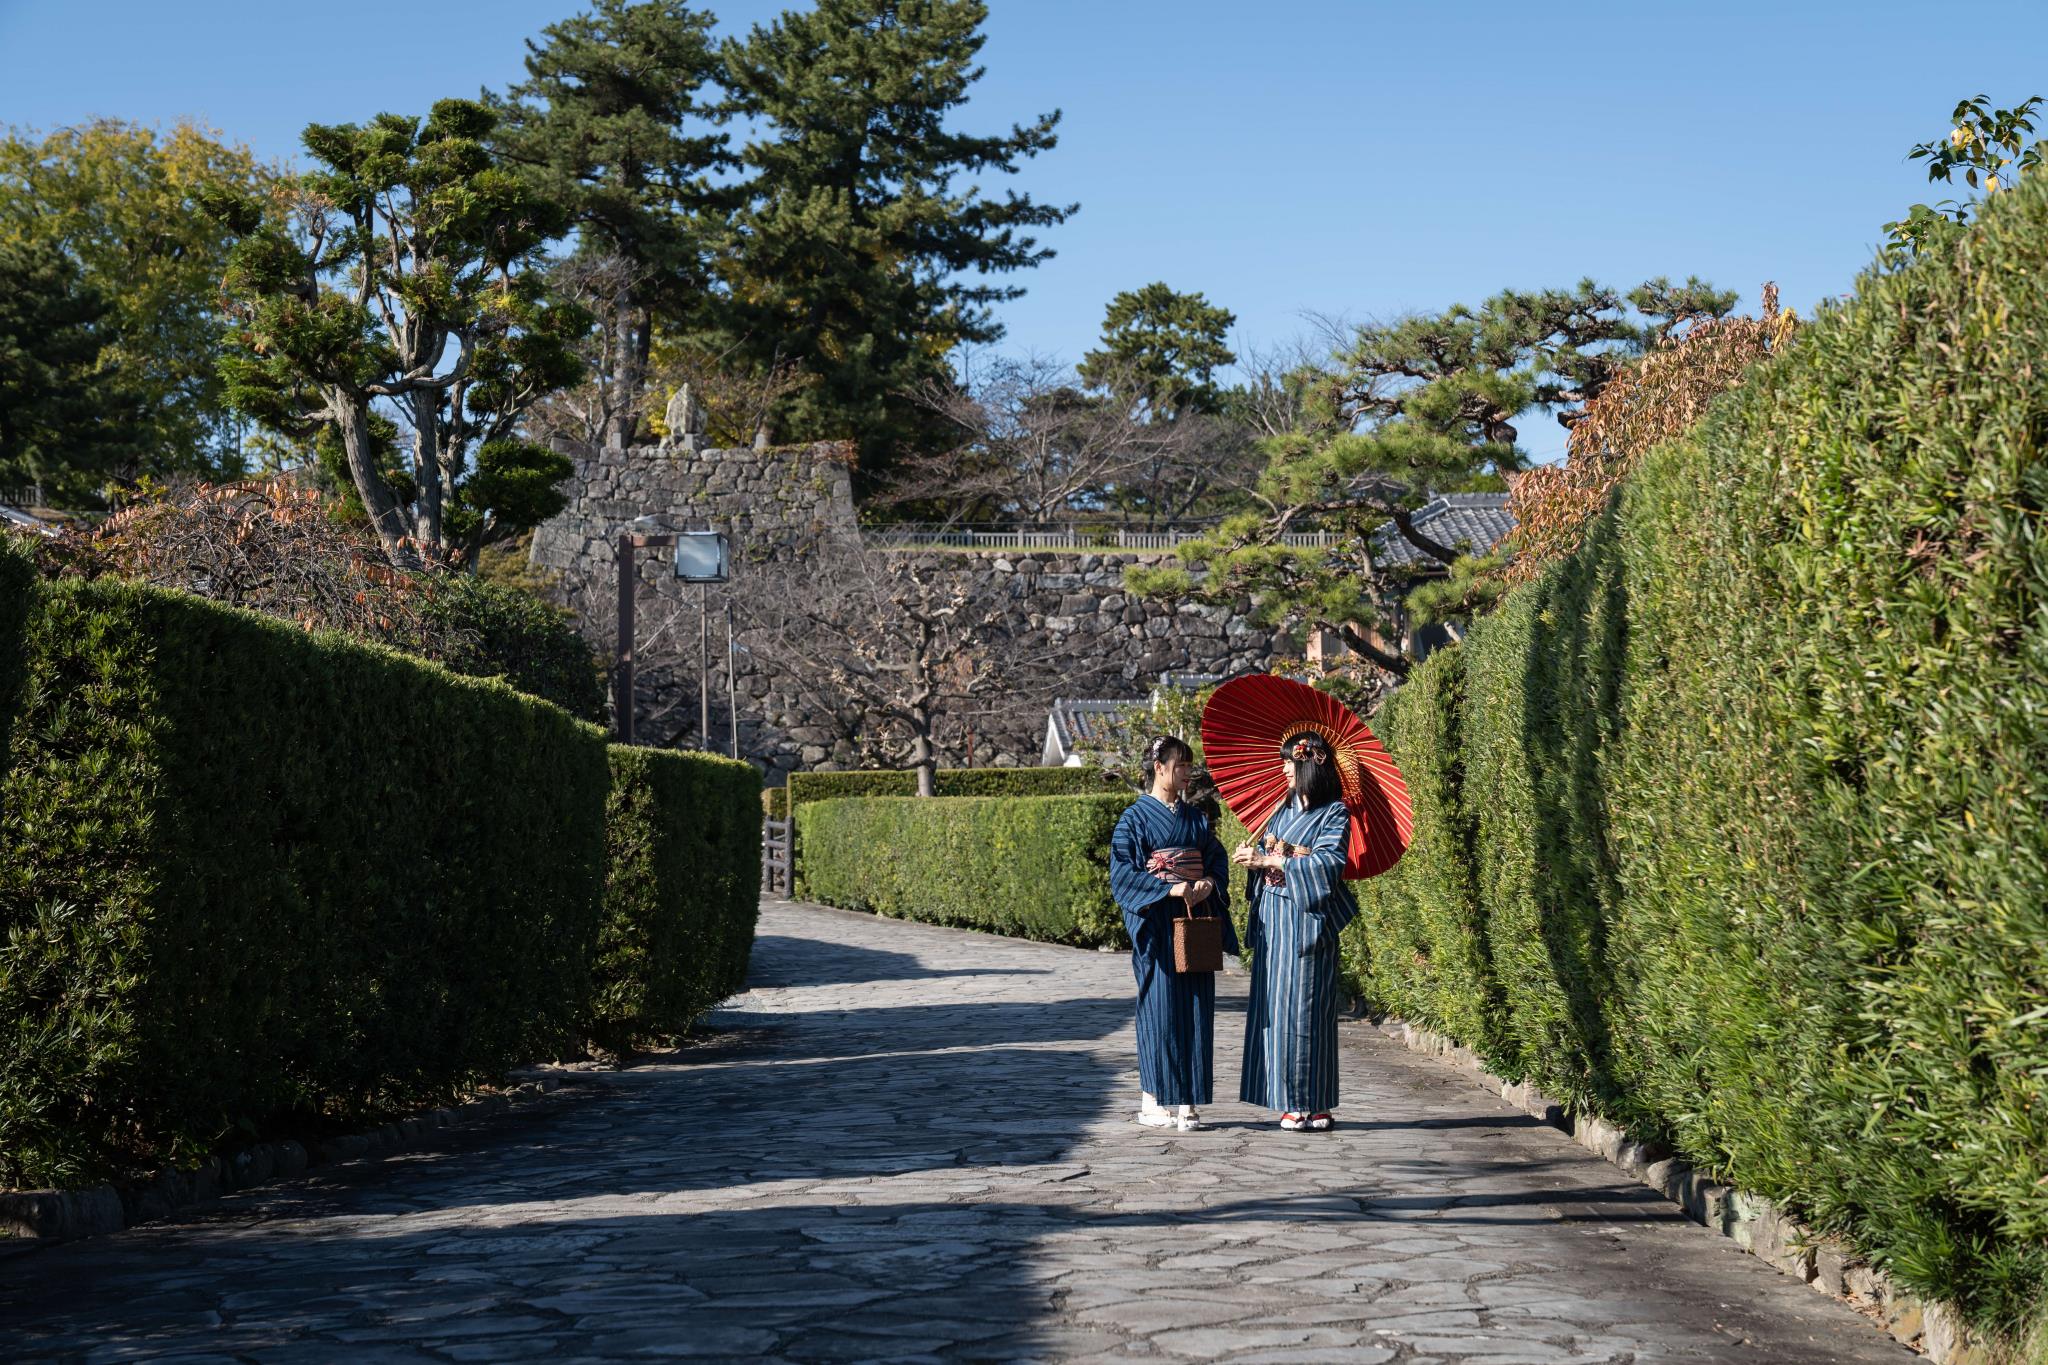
1320 1123
1293 1122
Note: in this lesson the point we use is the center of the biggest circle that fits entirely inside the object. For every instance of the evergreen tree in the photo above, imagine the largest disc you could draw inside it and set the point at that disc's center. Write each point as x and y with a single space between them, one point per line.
613 123
1160 352
401 274
119 201
1157 362
857 249
57 404
1410 409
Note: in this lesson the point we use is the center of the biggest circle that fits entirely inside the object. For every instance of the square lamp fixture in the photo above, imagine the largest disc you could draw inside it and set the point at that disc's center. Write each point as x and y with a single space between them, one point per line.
703 557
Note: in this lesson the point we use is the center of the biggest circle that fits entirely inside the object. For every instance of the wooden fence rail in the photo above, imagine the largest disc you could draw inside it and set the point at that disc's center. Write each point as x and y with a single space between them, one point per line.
775 861
1079 536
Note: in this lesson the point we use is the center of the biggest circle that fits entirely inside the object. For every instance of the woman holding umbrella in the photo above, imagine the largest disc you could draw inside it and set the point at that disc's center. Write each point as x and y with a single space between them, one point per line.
1299 905
1327 804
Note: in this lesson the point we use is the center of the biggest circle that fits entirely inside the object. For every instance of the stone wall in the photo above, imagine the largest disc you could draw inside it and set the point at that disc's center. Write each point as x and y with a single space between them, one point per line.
776 502
763 498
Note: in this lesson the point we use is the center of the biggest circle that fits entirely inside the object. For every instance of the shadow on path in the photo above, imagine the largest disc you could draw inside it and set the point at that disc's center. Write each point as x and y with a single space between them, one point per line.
782 962
938 1167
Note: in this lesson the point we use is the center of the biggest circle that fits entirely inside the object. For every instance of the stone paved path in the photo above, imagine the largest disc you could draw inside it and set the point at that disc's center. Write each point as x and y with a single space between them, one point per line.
914 1144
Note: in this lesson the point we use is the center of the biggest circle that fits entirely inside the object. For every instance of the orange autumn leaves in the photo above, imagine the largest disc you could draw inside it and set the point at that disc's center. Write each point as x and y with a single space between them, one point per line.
1655 400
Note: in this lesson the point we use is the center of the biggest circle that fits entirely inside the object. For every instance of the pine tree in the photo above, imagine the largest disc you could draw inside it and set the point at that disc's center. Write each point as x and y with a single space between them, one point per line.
857 249
614 123
57 402
1410 409
401 274
1160 352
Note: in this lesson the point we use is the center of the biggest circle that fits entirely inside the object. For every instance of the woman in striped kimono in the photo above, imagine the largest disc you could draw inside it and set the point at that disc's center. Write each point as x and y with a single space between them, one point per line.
1163 860
1299 904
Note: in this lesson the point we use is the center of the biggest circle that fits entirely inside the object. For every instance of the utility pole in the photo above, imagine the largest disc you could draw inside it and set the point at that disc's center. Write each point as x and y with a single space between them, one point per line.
622 675
622 670
732 679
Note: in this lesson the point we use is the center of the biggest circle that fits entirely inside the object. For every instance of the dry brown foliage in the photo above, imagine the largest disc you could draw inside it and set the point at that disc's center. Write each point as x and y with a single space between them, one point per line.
1655 400
270 545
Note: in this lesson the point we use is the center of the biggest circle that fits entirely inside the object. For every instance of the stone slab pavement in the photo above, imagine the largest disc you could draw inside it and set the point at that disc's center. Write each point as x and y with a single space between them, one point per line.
909 1143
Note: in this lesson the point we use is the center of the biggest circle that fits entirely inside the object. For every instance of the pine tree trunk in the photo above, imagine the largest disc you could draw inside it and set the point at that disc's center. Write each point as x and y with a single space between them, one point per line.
632 342
426 471
352 416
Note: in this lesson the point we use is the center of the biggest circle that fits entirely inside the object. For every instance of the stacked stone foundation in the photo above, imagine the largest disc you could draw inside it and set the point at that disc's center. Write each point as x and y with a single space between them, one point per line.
775 503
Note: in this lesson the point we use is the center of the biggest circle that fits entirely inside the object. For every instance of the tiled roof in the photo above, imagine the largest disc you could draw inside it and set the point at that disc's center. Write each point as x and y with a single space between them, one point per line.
23 521
1472 522
1077 721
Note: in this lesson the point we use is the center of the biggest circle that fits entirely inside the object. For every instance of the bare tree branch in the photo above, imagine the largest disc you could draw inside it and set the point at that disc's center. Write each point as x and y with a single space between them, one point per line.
903 643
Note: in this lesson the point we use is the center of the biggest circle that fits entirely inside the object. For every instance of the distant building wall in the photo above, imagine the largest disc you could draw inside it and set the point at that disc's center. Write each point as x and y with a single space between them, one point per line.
773 503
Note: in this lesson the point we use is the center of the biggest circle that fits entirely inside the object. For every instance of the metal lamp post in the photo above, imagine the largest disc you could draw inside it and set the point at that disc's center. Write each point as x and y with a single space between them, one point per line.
701 557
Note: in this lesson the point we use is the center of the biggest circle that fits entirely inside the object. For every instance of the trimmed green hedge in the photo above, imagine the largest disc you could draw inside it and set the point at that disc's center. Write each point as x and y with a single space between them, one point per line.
1426 945
1072 838
17 581
492 630
1029 866
681 892
807 787
1730 827
252 877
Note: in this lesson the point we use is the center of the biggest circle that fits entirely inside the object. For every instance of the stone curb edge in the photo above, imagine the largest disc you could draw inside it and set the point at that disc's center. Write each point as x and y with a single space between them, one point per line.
37 1218
1751 1221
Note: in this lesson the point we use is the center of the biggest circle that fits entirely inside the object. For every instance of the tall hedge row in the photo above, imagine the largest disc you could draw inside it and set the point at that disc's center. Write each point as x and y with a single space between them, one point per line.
250 874
1427 947
1029 866
681 892
17 581
1731 827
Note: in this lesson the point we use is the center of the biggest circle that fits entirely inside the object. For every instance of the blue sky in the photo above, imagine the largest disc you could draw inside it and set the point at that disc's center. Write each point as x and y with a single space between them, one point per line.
1335 157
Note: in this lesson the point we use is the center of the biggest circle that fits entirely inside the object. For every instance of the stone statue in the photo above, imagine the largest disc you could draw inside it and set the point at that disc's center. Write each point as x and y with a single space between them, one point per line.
684 420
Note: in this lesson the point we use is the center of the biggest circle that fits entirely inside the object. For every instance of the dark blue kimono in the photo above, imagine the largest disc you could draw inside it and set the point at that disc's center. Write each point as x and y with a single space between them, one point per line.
1176 1014
1290 1031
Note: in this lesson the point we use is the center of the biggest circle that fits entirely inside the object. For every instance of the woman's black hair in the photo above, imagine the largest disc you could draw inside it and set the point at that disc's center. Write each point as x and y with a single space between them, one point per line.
1202 794
1323 785
1158 752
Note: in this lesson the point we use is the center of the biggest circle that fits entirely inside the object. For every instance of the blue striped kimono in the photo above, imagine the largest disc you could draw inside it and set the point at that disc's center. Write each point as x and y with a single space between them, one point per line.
1176 1014
1290 1034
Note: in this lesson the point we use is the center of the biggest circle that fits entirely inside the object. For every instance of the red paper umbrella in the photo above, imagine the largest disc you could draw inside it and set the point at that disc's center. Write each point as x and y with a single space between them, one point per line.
1242 730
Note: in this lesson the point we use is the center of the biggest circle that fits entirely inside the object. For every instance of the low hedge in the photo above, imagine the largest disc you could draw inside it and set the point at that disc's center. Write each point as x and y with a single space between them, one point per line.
1729 827
252 876
1029 866
681 892
807 787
